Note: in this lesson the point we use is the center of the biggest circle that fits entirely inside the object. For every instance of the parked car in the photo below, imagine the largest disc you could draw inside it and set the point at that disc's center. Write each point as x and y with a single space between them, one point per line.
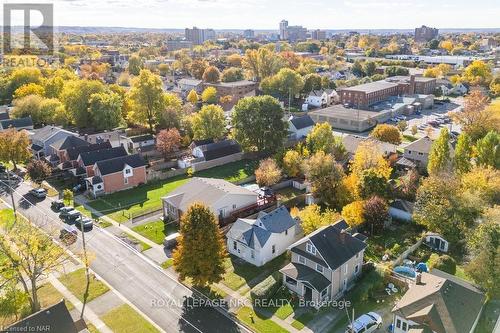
78 188
63 211
72 216
85 221
39 193
57 205
69 234
366 323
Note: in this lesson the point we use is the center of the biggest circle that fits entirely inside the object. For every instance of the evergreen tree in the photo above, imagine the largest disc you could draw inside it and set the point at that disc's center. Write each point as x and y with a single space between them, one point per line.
488 150
439 156
463 153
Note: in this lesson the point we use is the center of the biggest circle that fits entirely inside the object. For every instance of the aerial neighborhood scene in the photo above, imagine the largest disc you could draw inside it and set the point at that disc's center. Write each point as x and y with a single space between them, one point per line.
250 166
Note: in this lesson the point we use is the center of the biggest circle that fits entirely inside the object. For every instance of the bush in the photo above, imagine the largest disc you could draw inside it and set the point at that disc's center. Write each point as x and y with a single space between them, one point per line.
267 288
444 263
368 285
396 250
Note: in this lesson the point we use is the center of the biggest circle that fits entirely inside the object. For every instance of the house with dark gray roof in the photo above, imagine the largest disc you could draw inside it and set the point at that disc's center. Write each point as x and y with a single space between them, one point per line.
17 123
88 159
299 127
260 240
117 174
43 138
60 147
324 264
214 150
438 302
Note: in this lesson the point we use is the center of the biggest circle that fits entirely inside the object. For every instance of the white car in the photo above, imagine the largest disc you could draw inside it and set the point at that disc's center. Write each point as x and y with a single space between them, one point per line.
366 323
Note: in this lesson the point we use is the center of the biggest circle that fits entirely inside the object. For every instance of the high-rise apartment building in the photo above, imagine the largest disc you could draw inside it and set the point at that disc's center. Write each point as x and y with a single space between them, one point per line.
284 30
198 36
425 34
318 34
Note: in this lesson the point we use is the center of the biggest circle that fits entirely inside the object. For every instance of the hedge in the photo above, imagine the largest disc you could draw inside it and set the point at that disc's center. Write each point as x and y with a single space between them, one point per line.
444 263
267 288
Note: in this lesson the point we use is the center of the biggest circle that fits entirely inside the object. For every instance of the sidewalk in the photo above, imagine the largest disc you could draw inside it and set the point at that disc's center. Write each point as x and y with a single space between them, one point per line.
89 315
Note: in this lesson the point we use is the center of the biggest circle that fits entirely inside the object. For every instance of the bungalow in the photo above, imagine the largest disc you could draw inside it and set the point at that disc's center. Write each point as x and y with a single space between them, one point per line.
299 127
351 143
19 123
188 84
438 302
222 197
260 240
43 138
117 174
140 143
324 264
88 159
401 210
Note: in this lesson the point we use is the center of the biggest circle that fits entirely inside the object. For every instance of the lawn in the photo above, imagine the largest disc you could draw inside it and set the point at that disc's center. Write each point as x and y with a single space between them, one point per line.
76 282
240 273
288 193
131 239
48 295
489 316
167 263
6 217
124 319
258 322
156 230
301 321
121 206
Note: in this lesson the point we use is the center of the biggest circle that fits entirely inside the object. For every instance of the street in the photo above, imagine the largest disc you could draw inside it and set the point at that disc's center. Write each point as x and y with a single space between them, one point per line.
169 304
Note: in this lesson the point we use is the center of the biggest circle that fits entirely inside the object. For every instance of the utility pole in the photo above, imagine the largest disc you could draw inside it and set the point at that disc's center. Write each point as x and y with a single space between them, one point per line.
87 273
11 191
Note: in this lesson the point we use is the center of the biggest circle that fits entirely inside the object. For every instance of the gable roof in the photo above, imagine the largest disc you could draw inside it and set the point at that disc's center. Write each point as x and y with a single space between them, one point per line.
422 145
219 149
317 93
44 133
306 275
69 142
205 190
351 143
302 122
4 115
16 123
442 303
190 82
117 164
57 317
335 246
93 156
277 221
143 137
403 205
197 143
75 151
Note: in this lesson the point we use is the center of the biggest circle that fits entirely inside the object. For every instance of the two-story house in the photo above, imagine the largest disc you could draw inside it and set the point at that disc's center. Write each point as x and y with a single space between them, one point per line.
88 159
260 240
43 138
418 151
299 127
324 264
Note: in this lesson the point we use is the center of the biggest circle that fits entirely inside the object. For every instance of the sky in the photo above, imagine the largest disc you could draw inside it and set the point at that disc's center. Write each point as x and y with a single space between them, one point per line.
266 14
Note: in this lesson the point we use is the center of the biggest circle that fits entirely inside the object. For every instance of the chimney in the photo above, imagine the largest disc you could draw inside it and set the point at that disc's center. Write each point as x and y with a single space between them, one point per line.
418 278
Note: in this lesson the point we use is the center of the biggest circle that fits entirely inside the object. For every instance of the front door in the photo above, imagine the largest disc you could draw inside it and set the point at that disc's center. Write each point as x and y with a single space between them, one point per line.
307 293
344 285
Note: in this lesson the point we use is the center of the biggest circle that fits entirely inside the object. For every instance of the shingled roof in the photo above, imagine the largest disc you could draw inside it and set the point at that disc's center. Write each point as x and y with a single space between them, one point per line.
91 157
69 142
117 164
302 122
75 151
219 149
16 123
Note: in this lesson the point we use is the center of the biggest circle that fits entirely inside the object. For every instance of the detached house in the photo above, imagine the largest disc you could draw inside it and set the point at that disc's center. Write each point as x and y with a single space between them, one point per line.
88 159
43 138
418 151
299 127
260 240
324 264
117 174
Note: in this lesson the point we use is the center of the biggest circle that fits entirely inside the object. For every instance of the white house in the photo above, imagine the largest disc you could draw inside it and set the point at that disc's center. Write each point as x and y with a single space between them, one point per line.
299 127
140 143
438 302
317 98
260 240
222 197
187 84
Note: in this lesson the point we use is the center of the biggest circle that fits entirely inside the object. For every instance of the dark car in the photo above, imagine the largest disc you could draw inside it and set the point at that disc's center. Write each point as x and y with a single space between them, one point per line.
85 221
72 216
39 193
63 211
57 205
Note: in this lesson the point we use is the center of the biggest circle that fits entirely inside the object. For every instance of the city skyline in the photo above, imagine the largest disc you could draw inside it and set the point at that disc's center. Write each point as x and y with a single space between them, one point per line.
259 15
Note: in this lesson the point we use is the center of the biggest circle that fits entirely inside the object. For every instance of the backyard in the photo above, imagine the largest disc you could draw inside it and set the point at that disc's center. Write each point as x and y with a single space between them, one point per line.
121 206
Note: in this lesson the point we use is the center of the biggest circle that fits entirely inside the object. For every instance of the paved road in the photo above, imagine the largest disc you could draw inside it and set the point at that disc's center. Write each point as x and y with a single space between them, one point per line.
170 305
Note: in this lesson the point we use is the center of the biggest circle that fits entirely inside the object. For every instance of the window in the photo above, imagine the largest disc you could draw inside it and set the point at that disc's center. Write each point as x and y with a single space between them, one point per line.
319 268
127 171
235 246
252 254
125 180
302 260
310 248
357 255
345 269
398 323
274 249
291 281
286 232
404 328
234 206
324 293
356 269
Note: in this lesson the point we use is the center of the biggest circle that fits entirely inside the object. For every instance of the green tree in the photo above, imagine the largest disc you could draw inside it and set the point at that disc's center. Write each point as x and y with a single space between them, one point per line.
463 153
387 133
261 63
147 98
311 218
327 179
232 74
258 123
171 114
38 171
135 65
312 82
268 173
76 99
209 123
286 83
488 150
14 146
68 196
209 95
439 156
211 74
19 77
197 68
201 261
369 68
105 110
444 263
371 183
53 86
321 138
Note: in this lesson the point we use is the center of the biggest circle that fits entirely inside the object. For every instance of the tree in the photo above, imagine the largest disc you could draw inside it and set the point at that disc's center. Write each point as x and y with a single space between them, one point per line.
376 213
258 123
484 247
292 163
326 178
135 65
268 173
463 154
209 123
27 257
76 99
483 184
488 150
29 89
209 95
369 68
353 213
201 261
234 60
105 110
368 156
197 68
192 97
387 133
477 118
232 74
147 98
371 183
321 138
402 125
357 68
396 70
171 114
439 156
312 82
38 171
477 73
168 141
211 74
443 262
68 196
19 77
311 218
41 110
261 63
14 146
495 86
286 83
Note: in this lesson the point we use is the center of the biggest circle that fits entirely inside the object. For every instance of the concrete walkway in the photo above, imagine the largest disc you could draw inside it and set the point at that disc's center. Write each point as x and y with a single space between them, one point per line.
89 315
